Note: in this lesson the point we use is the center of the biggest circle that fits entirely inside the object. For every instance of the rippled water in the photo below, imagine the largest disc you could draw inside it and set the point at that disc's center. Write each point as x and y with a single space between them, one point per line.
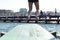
7 26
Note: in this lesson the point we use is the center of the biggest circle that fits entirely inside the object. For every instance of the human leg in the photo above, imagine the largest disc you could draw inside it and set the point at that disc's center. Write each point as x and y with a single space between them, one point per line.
30 8
37 7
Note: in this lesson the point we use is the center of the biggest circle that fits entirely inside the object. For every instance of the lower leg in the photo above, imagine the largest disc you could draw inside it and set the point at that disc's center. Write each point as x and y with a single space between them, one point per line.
29 13
30 8
37 8
36 13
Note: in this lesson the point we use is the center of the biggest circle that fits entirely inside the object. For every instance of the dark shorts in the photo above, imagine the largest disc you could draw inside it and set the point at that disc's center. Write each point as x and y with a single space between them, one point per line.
32 0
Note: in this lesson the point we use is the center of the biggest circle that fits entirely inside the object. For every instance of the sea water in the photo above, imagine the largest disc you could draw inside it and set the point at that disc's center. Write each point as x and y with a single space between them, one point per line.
7 26
31 32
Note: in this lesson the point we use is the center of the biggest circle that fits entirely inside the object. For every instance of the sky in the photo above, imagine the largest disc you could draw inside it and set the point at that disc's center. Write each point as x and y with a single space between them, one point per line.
45 5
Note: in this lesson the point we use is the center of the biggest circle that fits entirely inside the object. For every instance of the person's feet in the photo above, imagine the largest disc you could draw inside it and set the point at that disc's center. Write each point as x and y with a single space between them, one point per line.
28 17
36 14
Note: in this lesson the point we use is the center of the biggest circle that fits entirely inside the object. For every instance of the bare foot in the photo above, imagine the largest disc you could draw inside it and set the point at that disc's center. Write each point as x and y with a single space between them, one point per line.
28 17
36 15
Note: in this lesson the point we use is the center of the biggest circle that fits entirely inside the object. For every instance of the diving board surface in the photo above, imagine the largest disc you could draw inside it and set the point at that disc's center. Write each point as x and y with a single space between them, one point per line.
28 32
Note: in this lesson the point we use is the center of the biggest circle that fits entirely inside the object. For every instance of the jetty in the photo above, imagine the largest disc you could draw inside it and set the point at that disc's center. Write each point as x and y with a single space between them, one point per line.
45 18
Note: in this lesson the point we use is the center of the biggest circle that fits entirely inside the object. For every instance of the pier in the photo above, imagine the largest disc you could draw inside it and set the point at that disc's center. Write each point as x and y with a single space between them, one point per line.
45 18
